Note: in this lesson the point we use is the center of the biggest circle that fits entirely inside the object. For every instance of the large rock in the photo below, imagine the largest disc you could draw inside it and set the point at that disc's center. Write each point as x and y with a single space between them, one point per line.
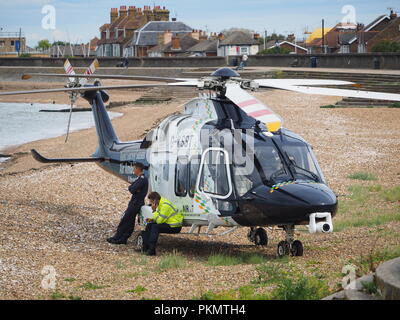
388 279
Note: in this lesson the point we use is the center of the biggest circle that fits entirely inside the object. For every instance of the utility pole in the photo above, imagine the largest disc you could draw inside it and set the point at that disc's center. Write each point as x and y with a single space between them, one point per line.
20 46
323 36
265 39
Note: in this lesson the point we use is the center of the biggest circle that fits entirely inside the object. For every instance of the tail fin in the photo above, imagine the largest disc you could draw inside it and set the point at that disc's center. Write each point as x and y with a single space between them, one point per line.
105 130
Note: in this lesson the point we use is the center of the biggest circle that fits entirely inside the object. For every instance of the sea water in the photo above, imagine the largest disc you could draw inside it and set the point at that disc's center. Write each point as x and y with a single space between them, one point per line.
22 122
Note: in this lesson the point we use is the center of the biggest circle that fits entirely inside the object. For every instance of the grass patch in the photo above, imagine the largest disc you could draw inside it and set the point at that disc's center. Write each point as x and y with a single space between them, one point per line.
365 176
302 288
275 281
120 265
137 290
141 261
369 263
392 195
368 206
220 259
172 261
370 287
91 286
69 279
59 296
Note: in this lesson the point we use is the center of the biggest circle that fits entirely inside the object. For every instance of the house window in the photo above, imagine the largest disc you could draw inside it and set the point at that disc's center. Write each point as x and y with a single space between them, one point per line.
12 42
181 176
345 49
2 43
244 50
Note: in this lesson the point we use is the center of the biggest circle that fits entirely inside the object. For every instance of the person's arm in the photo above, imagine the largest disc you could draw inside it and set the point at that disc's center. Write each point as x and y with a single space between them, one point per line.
136 186
162 214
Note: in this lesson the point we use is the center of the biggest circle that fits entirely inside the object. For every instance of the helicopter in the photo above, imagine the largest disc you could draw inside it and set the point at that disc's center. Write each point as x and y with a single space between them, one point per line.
226 160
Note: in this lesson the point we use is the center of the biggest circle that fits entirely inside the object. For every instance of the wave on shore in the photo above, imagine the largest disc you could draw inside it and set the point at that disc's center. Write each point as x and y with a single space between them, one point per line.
22 122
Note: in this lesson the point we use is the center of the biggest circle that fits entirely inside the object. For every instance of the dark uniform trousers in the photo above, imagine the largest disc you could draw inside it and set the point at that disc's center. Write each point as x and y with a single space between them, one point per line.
150 236
138 189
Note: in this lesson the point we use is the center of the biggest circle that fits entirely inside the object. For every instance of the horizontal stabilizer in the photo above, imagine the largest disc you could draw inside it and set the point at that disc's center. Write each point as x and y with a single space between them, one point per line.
38 157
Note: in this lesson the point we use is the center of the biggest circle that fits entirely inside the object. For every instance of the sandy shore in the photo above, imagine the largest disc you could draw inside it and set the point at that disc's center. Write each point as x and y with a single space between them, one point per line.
60 215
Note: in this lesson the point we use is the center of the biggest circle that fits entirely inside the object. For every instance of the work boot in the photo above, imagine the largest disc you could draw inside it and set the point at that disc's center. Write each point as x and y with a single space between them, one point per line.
116 241
150 252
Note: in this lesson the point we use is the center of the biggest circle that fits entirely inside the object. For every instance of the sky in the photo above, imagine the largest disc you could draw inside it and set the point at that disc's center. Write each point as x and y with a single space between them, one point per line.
78 21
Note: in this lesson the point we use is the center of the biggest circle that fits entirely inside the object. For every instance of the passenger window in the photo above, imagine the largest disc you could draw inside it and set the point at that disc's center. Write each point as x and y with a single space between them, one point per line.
181 176
214 176
194 171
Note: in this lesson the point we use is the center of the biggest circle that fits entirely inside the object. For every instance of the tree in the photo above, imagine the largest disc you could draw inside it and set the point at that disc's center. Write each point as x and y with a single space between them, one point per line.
228 32
43 44
275 50
386 46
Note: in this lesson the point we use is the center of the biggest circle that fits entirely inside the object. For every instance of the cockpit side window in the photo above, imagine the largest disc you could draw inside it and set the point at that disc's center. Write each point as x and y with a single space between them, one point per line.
181 176
214 176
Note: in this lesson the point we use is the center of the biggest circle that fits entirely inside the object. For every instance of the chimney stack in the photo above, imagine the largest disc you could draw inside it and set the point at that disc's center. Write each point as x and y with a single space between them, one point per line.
256 36
221 37
113 14
123 12
132 11
176 43
167 37
195 34
393 15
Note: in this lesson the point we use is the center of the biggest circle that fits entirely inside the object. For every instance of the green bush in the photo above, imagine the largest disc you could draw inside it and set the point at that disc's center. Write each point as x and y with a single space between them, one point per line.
302 288
386 46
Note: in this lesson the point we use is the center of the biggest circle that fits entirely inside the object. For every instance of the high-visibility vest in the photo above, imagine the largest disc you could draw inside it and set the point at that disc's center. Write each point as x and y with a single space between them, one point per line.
168 213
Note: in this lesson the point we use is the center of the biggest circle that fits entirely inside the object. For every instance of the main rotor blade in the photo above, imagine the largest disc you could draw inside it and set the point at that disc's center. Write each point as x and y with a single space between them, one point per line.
103 76
253 107
83 89
340 92
301 82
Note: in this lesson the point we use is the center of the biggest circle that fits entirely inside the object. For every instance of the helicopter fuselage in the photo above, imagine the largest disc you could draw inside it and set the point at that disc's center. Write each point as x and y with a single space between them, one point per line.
223 168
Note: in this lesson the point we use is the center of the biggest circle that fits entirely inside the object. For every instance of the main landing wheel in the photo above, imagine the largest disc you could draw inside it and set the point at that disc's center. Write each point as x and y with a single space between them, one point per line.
261 237
258 236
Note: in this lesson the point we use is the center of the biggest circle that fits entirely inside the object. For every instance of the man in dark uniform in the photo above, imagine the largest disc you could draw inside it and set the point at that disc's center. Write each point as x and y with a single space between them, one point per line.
138 189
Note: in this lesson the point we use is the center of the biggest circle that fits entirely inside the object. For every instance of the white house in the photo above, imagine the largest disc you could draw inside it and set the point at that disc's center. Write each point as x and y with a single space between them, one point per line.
238 43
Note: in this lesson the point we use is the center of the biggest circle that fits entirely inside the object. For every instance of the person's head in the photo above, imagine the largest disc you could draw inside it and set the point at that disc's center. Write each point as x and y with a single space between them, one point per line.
154 198
138 168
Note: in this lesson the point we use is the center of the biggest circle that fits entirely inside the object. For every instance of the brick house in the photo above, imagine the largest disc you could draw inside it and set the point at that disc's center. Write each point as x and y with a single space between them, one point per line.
8 42
156 33
117 35
385 27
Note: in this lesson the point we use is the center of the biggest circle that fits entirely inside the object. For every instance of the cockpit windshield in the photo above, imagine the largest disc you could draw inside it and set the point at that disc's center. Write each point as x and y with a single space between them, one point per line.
275 160
302 161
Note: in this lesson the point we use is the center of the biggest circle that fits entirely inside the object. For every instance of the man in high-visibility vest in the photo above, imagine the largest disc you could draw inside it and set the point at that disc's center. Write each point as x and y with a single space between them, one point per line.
166 219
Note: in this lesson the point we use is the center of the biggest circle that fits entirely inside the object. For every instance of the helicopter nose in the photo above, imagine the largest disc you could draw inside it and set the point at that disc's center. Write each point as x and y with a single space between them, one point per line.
314 195
288 203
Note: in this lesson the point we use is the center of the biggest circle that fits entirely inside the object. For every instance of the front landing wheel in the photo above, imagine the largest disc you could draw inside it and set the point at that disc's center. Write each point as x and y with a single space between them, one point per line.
283 249
297 248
